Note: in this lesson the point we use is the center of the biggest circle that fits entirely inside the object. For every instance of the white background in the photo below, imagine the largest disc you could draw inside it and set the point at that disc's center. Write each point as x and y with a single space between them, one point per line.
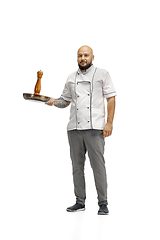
35 168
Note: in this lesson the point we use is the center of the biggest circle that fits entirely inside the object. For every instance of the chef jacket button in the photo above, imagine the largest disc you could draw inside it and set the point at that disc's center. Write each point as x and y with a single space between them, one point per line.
88 107
88 94
78 122
77 108
88 121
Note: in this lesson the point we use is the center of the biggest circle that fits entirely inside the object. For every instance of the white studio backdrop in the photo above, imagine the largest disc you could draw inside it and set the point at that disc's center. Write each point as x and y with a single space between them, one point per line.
35 168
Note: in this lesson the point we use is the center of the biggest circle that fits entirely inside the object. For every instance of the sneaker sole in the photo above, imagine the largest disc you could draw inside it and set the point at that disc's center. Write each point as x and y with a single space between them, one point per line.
102 213
69 210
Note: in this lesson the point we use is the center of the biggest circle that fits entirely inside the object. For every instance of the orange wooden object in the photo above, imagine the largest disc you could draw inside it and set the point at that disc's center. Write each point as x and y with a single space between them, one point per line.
37 88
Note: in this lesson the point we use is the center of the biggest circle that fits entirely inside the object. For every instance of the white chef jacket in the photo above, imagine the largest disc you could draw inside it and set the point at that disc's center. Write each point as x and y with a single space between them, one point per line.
86 91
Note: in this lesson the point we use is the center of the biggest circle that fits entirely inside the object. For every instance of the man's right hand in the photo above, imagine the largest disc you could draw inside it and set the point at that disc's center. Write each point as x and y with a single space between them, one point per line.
51 102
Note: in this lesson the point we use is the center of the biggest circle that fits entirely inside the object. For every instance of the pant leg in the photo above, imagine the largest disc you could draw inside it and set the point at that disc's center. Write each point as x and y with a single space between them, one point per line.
95 146
77 153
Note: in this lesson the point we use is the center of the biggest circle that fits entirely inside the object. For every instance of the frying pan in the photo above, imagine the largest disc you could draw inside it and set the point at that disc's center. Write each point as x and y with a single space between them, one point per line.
36 97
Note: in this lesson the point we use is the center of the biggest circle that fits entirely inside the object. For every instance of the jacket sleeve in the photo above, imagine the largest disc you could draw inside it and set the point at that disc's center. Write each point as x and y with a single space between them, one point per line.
66 94
108 87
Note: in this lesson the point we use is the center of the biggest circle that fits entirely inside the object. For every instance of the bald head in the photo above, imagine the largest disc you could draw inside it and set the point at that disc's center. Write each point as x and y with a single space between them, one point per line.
85 48
85 57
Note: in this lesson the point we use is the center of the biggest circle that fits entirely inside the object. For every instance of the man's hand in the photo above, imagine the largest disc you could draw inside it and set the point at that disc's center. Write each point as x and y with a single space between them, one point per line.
51 102
107 130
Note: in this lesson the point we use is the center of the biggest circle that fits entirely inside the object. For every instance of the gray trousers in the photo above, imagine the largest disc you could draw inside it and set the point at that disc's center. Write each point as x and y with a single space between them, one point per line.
91 141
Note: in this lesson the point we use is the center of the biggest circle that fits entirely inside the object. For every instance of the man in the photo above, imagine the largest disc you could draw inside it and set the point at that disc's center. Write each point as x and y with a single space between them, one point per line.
86 90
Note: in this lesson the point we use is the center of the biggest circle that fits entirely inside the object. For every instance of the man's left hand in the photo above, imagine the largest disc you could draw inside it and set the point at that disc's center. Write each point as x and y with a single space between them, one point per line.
107 130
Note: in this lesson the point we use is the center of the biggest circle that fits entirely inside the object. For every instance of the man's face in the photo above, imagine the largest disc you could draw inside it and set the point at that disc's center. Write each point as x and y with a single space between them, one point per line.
85 58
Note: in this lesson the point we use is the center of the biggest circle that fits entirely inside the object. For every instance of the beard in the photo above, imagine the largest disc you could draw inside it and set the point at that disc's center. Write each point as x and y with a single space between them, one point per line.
85 67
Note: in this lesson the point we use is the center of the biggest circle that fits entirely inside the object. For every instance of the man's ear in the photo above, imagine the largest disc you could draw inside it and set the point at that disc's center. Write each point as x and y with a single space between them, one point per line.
92 57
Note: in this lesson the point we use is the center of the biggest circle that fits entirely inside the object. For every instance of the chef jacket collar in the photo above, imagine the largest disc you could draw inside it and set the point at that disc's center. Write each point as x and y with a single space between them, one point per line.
87 70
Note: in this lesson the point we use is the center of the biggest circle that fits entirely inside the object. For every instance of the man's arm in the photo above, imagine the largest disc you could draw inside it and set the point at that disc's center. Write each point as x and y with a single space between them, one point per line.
107 131
59 102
